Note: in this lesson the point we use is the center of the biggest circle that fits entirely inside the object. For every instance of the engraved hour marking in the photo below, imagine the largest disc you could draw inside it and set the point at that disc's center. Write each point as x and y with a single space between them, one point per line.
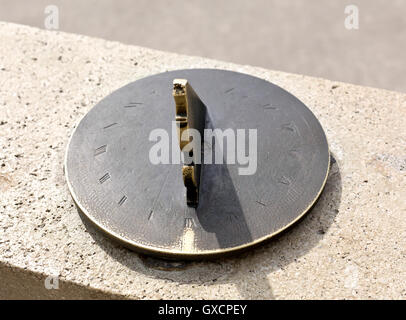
229 90
133 104
290 127
284 180
295 153
269 107
261 203
150 214
100 150
122 200
189 223
110 125
104 178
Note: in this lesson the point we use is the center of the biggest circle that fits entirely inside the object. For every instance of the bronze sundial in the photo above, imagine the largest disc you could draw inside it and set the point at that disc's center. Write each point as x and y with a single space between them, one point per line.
120 177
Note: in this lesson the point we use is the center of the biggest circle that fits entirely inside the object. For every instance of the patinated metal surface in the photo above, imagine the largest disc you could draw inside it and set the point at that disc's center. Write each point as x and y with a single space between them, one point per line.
143 205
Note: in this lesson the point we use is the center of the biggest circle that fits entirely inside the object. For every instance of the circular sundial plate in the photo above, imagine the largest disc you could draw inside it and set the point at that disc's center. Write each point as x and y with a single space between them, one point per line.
143 205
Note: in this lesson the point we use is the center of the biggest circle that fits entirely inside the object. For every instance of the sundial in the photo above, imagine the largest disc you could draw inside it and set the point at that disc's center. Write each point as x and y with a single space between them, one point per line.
137 169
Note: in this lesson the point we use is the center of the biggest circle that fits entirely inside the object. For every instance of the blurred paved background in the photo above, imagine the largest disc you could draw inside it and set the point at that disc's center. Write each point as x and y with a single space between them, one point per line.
306 37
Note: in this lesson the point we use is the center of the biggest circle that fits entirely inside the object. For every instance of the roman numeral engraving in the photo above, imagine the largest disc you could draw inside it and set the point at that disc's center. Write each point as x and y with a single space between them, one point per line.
122 200
104 178
100 150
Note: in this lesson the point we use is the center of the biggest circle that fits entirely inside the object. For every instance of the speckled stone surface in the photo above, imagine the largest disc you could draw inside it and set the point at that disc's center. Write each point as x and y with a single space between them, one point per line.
351 245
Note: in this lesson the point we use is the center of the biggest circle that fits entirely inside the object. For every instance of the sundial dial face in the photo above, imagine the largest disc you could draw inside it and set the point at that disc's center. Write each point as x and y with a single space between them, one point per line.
142 205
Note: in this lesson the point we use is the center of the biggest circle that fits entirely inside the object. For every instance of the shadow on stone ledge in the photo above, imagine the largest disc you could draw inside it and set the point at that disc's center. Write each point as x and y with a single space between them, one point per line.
249 271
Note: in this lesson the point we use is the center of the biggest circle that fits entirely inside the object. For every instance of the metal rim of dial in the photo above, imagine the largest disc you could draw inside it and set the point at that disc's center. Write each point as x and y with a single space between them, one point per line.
143 205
